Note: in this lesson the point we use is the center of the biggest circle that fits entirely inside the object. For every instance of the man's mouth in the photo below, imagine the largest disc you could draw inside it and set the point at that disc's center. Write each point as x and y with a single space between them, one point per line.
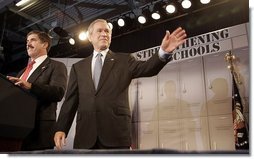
29 47
104 39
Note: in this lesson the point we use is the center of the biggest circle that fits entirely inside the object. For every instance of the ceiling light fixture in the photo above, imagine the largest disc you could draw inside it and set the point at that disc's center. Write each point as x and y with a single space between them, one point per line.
110 25
71 41
82 35
186 4
156 15
120 22
141 19
205 1
170 8
146 13
22 2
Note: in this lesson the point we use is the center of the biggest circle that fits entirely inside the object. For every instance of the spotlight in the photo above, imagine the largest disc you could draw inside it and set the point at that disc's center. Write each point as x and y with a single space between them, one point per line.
71 41
141 19
205 1
22 2
120 22
170 8
146 13
110 25
186 4
83 35
156 16
159 10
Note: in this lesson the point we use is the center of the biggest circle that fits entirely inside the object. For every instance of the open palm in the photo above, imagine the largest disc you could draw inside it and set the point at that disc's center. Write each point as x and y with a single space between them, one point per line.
171 41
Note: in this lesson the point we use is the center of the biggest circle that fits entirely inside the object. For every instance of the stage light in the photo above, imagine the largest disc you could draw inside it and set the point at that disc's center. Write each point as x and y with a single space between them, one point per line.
83 35
170 8
110 25
186 4
163 10
120 22
71 41
146 13
22 2
159 10
141 19
205 1
156 16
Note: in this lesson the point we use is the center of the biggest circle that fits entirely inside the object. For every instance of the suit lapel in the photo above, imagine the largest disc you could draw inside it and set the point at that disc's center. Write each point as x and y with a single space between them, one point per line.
41 68
107 66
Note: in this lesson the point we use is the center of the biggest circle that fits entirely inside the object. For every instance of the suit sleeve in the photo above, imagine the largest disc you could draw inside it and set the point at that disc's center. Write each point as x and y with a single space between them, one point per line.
148 68
69 107
54 88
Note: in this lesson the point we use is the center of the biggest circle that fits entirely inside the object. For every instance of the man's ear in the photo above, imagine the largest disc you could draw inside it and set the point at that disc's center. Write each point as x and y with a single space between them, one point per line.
89 39
45 44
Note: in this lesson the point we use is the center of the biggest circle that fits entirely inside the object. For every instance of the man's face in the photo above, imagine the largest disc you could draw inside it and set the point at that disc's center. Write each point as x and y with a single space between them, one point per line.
35 47
100 36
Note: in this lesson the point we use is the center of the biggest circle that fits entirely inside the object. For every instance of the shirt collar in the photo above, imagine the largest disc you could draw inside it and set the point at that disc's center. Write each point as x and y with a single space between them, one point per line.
40 59
104 53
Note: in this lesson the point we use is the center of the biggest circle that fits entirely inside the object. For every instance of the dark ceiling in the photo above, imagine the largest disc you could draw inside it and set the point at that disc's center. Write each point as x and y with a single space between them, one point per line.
75 15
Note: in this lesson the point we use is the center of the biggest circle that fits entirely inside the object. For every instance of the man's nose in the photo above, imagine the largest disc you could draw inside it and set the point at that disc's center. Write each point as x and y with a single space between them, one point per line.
27 43
104 33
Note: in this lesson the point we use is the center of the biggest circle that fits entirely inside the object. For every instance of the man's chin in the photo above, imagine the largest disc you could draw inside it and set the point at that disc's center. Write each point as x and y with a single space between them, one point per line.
104 47
31 54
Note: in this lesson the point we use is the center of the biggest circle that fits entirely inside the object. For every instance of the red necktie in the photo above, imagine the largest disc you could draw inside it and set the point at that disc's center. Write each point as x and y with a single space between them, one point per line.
28 69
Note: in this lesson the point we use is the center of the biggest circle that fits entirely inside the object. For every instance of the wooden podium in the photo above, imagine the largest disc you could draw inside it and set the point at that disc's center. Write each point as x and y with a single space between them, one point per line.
17 115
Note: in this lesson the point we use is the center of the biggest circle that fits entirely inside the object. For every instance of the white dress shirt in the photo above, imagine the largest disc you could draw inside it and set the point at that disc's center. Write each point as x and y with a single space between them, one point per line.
38 61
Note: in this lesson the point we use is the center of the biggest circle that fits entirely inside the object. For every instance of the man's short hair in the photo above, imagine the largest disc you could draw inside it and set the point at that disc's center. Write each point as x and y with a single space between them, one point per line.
90 27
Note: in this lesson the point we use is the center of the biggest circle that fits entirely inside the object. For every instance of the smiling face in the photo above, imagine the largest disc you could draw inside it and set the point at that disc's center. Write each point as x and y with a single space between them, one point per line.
35 47
100 35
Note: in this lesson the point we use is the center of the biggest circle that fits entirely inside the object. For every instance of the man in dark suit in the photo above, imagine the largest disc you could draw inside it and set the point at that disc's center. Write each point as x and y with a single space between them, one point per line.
103 113
47 80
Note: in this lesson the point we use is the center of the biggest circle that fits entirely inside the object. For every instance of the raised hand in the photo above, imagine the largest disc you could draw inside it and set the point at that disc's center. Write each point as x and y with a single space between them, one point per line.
171 41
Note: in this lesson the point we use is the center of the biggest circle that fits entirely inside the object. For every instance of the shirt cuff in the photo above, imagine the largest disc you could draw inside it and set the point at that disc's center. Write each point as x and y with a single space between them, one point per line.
164 56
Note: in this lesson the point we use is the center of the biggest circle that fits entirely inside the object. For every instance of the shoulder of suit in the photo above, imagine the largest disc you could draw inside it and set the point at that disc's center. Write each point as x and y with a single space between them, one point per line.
55 61
121 54
81 62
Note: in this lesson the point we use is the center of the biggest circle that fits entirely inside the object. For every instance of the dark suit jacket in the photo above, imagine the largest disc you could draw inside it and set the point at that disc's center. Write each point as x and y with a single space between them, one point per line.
104 113
49 82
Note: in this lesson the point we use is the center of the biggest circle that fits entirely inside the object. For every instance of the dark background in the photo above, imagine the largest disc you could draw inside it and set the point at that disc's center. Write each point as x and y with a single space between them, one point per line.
197 20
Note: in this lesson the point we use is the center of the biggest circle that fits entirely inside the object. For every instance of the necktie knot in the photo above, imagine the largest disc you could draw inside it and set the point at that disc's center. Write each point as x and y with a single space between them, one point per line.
31 63
99 55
